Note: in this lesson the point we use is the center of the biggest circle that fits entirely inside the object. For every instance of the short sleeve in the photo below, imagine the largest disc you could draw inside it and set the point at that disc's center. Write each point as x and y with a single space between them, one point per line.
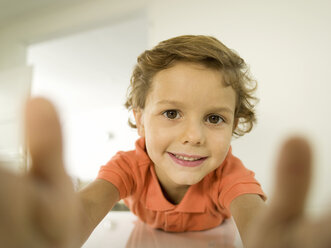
118 171
236 180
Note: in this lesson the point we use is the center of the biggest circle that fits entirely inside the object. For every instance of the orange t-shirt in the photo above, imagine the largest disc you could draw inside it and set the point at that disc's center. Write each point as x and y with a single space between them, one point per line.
205 204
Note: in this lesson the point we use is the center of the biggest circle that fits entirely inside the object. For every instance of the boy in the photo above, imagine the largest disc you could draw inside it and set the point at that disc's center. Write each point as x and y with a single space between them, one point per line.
189 96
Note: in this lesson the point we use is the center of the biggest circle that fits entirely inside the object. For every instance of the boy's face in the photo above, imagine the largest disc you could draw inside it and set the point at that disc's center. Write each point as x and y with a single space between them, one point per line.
187 122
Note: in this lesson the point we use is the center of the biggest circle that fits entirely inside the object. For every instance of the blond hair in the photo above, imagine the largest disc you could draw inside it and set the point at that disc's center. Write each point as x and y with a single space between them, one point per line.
205 50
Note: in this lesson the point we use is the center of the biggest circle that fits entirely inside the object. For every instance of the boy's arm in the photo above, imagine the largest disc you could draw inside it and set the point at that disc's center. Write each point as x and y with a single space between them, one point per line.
97 199
245 209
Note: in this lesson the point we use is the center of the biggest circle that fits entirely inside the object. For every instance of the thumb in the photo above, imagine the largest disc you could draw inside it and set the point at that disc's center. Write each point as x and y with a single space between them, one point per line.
44 139
293 173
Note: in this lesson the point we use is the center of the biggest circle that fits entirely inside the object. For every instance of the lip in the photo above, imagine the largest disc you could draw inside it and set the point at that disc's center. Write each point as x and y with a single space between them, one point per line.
186 163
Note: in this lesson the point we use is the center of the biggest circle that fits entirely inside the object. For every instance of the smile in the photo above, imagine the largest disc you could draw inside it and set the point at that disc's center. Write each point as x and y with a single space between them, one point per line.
187 160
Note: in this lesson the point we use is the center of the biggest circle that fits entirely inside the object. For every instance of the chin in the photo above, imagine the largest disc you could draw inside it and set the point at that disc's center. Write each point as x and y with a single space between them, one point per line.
186 181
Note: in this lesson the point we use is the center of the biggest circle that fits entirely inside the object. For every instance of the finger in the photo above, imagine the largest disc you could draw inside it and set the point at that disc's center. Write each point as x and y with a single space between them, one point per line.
44 139
293 174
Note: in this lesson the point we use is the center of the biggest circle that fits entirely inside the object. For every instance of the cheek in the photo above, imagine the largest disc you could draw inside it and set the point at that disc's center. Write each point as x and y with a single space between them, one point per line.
156 136
220 142
157 129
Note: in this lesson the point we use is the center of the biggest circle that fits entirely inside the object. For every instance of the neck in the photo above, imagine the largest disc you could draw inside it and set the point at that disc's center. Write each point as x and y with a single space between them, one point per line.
173 192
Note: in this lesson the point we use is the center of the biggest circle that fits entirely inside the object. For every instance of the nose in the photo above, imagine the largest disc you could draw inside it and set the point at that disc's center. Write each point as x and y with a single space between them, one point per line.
193 133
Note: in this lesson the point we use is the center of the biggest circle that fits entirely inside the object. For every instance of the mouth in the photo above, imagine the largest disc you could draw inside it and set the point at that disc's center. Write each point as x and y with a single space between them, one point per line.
187 160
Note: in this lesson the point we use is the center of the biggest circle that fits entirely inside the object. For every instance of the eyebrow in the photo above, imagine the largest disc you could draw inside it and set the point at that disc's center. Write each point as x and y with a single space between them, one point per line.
213 109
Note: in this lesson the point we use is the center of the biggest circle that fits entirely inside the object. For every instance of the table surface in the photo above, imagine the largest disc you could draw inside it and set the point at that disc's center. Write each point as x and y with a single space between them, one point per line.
123 229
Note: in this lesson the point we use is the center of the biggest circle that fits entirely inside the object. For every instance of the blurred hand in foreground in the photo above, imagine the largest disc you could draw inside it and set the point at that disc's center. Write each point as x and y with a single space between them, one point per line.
283 224
39 209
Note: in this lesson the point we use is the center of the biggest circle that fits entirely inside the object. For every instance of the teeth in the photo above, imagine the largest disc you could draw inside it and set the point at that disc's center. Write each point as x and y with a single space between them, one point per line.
186 158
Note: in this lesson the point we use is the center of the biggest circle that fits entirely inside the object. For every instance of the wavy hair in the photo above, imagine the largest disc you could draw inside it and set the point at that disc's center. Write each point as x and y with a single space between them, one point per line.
205 50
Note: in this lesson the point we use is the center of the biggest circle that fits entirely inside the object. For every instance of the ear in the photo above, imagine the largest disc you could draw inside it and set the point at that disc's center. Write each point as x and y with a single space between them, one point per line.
235 124
138 116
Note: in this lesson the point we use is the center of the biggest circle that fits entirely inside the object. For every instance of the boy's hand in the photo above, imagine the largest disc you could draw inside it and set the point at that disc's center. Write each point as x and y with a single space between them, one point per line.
39 209
283 224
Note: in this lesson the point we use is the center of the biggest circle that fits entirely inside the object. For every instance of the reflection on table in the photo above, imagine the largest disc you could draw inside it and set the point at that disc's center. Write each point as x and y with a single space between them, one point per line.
123 229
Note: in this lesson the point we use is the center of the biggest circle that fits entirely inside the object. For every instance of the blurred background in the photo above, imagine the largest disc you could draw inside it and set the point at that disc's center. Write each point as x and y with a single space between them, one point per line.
80 54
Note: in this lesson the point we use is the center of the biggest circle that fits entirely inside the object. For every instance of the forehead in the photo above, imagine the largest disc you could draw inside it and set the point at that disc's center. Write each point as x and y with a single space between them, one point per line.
191 83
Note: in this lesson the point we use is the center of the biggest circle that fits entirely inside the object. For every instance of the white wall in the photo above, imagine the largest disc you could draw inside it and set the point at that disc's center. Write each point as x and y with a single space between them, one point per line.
38 21
14 89
86 76
287 45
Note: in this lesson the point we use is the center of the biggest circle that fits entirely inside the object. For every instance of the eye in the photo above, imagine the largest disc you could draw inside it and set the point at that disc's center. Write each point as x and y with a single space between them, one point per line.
215 119
171 114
